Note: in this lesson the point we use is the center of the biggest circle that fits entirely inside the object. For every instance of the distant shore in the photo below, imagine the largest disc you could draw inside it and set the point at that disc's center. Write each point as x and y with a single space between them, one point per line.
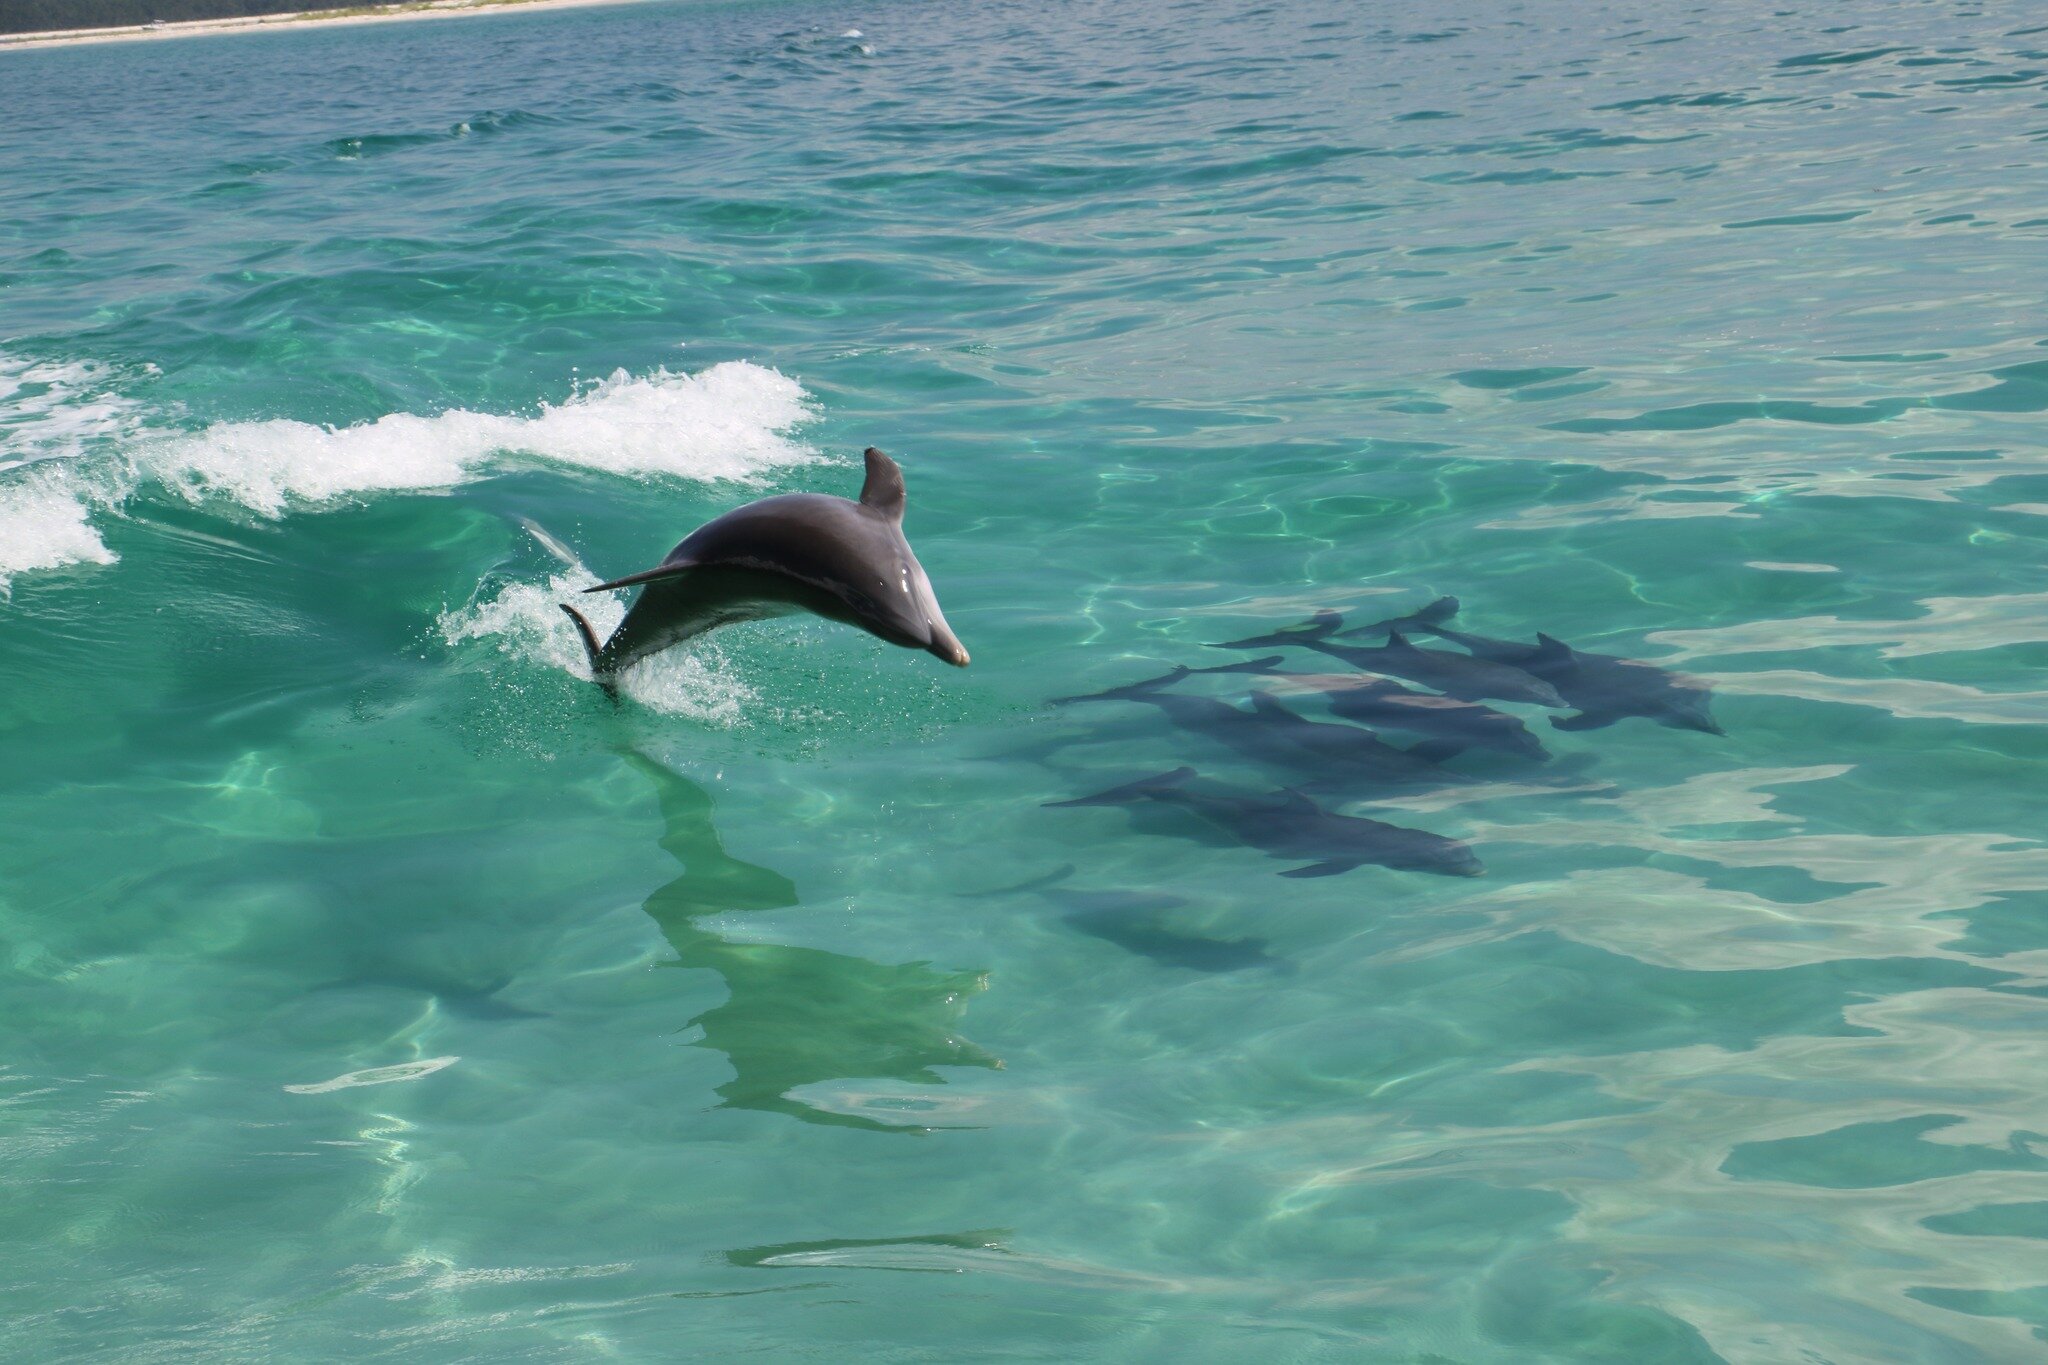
354 14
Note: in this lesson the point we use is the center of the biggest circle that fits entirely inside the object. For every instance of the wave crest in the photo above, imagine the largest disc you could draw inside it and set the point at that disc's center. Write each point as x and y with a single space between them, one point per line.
728 422
71 444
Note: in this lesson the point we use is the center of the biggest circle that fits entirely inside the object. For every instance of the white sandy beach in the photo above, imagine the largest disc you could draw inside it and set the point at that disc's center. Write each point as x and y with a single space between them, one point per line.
430 9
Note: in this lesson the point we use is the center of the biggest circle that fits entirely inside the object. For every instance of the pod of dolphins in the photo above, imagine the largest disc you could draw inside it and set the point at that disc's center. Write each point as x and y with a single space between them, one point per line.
1348 757
846 559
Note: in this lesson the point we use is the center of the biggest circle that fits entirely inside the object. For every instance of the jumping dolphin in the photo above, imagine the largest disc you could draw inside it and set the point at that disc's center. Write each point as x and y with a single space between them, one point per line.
843 560
1270 733
1603 687
1455 675
1290 826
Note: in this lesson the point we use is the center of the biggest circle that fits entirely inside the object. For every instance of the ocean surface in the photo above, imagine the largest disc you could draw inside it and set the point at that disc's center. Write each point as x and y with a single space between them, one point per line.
372 987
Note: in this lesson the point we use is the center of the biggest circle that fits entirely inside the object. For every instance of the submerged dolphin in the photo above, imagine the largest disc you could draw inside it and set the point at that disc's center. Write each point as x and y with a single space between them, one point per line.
1288 825
843 560
1464 676
1604 688
1270 733
1450 725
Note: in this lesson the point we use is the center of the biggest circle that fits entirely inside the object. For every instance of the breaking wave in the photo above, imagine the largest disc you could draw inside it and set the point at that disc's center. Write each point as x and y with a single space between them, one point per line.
726 422
73 449
51 412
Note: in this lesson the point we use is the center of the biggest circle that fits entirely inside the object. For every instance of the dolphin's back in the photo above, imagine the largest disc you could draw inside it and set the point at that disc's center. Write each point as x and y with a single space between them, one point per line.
827 542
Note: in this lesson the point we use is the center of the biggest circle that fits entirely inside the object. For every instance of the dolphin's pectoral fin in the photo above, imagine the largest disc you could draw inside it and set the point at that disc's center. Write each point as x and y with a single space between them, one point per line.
1329 868
1585 720
883 490
672 569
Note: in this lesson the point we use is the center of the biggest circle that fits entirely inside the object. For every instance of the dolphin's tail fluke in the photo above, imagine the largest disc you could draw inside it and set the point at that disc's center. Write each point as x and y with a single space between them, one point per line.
1317 628
1435 614
594 650
1136 691
1132 791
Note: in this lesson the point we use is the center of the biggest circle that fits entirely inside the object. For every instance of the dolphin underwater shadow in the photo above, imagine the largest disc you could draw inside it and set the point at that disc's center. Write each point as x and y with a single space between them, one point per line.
1288 825
1603 688
1270 733
1450 726
1463 676
795 1017
1133 921
838 558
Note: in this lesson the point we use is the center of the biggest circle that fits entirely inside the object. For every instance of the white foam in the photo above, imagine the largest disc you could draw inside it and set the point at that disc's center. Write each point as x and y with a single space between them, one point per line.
525 621
72 446
45 525
51 409
728 422
51 415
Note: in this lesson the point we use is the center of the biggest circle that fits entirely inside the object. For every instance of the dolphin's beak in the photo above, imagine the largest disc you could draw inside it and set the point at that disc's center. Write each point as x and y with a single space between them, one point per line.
947 646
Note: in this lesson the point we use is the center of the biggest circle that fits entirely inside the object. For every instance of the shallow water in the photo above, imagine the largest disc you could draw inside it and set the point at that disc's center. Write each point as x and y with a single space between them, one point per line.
376 989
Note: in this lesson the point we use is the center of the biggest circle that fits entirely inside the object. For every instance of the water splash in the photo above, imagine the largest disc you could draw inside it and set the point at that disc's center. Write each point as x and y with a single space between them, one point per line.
524 621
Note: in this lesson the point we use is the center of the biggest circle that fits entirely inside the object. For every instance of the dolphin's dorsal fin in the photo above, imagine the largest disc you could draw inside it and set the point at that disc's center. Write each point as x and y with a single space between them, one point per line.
1396 640
883 490
1266 704
1299 801
1550 647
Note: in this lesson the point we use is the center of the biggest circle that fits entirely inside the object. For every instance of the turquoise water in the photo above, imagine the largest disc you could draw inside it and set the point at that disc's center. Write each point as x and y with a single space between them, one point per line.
373 988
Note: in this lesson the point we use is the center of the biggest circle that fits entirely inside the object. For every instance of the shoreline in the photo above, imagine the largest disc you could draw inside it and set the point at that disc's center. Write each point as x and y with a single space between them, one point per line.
368 14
